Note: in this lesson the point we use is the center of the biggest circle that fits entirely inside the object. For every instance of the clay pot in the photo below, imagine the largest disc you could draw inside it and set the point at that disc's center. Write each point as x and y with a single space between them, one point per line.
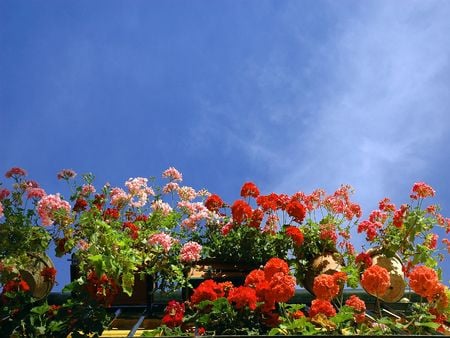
31 273
325 264
395 268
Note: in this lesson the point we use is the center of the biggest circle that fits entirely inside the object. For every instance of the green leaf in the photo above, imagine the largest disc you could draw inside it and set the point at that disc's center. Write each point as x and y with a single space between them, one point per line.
128 283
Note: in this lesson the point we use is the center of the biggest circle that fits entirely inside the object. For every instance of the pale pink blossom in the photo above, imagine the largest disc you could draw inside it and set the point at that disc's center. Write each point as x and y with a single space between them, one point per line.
170 187
161 206
119 197
203 193
172 174
162 239
49 207
271 225
139 191
87 189
187 193
190 252
83 245
35 193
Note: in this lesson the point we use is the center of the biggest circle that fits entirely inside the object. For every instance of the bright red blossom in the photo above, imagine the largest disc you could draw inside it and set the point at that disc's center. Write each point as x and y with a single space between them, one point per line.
296 210
49 274
254 277
422 190
423 281
242 297
322 306
376 280
241 211
295 234
207 290
325 287
174 313
249 189
359 306
275 265
15 171
214 203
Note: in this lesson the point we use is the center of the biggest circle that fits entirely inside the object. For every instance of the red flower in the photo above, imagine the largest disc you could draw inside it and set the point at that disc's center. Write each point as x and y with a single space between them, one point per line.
241 211
423 281
282 288
275 265
242 297
254 277
49 274
257 217
103 289
174 313
269 202
376 280
133 228
326 287
296 210
365 259
297 314
214 203
15 171
249 189
80 205
296 234
207 290
321 306
422 190
399 215
111 213
359 306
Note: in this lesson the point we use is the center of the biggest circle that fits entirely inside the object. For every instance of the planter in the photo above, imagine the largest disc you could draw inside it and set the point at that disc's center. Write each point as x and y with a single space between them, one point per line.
31 273
325 264
395 268
218 271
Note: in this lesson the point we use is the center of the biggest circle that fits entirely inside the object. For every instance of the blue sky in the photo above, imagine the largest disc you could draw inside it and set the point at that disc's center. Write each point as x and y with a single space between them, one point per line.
292 95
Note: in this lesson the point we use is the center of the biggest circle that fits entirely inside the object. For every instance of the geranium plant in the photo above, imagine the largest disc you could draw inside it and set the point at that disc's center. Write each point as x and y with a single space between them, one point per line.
326 232
247 232
408 231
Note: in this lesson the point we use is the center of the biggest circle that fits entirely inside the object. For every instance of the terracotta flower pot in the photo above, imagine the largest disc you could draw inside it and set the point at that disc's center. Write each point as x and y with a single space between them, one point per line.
395 268
40 287
325 264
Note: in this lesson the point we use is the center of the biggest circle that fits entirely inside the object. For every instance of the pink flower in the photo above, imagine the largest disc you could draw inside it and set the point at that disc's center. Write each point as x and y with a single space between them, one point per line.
87 189
170 187
66 174
172 174
190 252
161 206
52 207
15 171
119 198
162 239
187 193
35 193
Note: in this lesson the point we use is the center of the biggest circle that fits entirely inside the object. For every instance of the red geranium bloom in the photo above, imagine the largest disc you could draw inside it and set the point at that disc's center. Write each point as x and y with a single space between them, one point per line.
133 228
359 306
257 217
296 234
80 205
275 265
249 189
214 203
241 211
321 306
254 277
174 313
282 287
423 281
207 290
242 297
15 171
422 190
364 258
269 202
49 273
296 210
325 287
111 213
376 280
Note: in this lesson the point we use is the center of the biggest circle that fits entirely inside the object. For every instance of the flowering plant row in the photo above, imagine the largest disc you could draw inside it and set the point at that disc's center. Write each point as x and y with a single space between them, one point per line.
117 235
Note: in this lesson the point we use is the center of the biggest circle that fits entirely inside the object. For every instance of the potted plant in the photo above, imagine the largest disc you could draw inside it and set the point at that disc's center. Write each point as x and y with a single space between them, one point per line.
326 231
402 237
243 235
